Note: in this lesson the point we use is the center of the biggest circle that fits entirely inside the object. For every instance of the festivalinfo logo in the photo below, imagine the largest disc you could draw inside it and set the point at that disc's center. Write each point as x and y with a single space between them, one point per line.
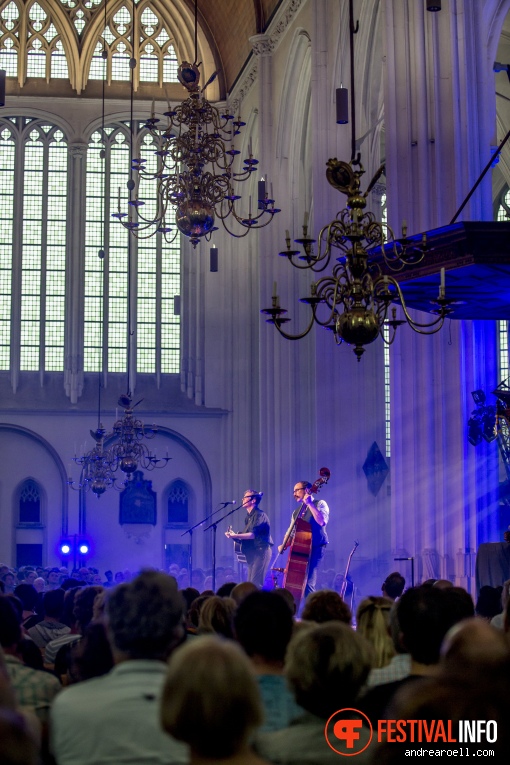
349 732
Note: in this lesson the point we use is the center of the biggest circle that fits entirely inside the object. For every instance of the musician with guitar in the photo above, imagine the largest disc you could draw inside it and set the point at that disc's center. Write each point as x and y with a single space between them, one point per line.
256 539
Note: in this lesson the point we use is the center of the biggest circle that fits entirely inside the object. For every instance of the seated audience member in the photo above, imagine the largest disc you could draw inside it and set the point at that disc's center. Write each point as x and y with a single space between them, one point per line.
326 606
263 625
18 746
51 626
400 665
225 590
499 620
393 586
59 651
193 615
288 598
35 689
449 700
442 584
189 594
53 580
326 666
372 621
488 603
197 579
28 596
9 581
211 702
216 615
241 590
474 648
115 718
425 615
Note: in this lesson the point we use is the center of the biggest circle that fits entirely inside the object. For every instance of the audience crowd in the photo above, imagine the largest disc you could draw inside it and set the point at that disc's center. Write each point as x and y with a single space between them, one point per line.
154 669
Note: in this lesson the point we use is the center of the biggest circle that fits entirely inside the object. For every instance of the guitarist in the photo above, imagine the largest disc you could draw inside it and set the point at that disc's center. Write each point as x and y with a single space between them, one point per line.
317 515
256 539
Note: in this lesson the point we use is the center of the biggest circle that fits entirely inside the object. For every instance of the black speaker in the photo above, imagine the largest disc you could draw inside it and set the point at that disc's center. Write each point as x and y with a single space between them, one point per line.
2 87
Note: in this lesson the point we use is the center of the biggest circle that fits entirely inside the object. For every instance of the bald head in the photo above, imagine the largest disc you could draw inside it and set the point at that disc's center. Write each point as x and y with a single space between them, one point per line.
474 644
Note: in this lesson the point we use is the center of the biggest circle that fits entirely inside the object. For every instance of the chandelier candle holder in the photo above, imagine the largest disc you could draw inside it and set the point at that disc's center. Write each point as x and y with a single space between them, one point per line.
195 177
96 470
130 452
361 288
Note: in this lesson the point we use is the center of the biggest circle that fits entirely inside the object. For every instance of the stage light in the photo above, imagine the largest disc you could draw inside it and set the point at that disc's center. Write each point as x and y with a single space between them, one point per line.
84 548
65 547
474 431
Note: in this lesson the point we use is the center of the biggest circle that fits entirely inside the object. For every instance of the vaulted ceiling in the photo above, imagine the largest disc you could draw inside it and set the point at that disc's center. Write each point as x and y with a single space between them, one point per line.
228 25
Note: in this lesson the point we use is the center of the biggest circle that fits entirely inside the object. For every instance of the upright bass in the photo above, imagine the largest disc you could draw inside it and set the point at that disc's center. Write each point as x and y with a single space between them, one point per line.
299 541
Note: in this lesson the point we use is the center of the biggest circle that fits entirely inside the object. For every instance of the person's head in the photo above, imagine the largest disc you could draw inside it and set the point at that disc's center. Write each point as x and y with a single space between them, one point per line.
251 500
300 489
425 615
189 594
263 625
10 630
242 590
30 576
372 621
216 615
443 584
39 584
9 580
225 589
53 603
210 698
119 577
393 585
326 667
326 606
288 598
27 594
17 743
84 574
145 617
83 610
196 607
488 603
54 577
197 579
476 647
109 575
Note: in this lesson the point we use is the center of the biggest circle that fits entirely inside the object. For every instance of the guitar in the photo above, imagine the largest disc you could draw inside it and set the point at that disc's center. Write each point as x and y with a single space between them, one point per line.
343 588
238 547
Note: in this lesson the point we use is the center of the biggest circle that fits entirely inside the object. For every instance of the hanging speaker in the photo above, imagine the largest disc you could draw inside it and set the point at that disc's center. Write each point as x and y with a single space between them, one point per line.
214 259
2 87
342 106
433 5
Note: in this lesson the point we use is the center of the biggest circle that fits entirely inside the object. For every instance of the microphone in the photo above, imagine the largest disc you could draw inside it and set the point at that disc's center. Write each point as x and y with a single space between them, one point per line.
230 502
257 494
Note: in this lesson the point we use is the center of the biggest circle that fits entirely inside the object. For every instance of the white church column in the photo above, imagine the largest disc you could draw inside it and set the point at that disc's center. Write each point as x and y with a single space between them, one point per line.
436 87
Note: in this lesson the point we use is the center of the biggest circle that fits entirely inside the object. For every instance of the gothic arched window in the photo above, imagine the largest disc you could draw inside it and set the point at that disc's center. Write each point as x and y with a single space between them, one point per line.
178 500
30 502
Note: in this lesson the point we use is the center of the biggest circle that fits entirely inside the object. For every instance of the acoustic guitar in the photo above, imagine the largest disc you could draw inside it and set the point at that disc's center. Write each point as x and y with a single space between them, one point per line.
238 548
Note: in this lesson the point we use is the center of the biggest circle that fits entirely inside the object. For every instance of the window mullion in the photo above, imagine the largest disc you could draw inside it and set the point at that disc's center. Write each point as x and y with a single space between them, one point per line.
17 239
44 253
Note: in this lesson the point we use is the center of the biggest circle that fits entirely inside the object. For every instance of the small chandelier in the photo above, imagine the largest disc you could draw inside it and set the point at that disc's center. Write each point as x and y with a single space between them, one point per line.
361 288
195 176
130 452
96 469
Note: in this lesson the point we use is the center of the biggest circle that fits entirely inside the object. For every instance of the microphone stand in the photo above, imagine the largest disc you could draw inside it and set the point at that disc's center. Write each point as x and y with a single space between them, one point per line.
213 526
190 532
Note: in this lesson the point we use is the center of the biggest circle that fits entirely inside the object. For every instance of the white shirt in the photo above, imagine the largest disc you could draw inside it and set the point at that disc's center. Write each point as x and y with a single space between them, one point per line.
114 720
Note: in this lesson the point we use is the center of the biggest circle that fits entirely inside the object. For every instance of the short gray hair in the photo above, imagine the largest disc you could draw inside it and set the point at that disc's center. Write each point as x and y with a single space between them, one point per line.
146 616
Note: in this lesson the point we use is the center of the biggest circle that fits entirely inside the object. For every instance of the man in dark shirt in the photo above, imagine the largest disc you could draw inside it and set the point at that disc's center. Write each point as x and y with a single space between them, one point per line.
256 539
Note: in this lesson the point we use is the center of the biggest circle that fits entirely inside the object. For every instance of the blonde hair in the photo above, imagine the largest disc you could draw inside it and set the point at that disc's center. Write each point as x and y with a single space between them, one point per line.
216 616
211 698
373 621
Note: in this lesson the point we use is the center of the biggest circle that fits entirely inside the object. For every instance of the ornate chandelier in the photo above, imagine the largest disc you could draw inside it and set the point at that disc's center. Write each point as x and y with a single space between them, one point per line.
195 177
354 300
96 471
130 452
357 295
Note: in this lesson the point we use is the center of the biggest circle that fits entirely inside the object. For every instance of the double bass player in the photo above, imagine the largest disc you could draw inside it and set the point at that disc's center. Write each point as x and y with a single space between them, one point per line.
316 513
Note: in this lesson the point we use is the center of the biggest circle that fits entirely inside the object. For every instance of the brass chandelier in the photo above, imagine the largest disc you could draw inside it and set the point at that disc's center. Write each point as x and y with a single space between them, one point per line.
195 175
357 295
354 300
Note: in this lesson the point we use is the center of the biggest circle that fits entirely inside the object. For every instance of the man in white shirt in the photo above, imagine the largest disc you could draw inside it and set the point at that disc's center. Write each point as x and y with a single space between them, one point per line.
115 718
